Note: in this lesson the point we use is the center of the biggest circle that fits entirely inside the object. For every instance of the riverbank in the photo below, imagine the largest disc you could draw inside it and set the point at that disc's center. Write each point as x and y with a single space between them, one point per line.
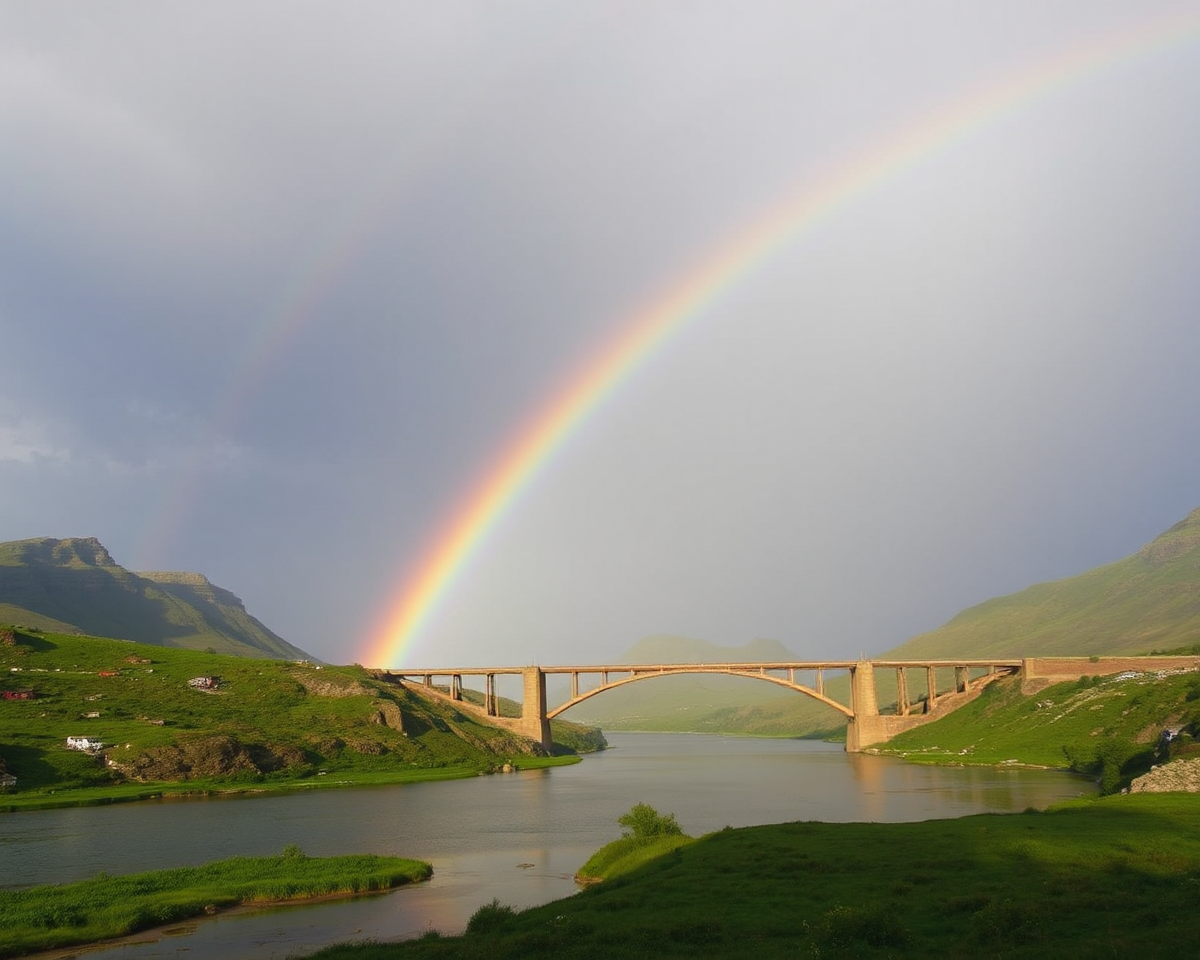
1090 878
89 720
95 911
133 792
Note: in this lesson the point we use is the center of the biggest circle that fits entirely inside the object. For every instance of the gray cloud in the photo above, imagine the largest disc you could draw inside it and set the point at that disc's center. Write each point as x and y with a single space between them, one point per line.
279 283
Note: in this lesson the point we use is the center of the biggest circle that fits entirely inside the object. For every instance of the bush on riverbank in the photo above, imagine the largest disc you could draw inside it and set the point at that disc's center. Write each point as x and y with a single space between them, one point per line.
42 918
1097 878
647 836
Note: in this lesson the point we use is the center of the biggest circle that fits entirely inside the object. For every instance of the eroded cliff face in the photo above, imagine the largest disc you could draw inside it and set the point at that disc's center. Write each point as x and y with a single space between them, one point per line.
215 756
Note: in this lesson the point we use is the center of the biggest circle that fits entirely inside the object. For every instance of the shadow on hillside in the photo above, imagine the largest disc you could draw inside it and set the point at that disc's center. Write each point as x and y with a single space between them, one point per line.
34 642
96 601
30 765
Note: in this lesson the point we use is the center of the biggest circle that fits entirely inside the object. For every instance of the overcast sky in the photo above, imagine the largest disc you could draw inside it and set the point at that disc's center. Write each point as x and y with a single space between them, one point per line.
279 282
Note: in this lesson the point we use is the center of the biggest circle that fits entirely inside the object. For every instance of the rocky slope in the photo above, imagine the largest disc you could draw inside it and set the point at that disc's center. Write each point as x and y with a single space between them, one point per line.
74 585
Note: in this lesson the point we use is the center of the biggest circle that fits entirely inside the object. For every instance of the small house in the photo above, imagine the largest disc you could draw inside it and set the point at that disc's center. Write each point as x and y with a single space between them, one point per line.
204 683
86 744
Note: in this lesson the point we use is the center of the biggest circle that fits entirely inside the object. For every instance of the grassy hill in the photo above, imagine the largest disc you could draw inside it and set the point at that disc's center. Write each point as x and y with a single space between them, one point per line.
75 586
264 723
1090 879
1108 727
1145 602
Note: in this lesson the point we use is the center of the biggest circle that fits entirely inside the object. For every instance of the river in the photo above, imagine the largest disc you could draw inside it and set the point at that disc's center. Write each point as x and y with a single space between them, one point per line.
516 837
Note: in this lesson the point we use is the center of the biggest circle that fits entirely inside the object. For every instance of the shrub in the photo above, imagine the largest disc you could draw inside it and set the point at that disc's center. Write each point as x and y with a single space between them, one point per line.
643 822
490 917
842 928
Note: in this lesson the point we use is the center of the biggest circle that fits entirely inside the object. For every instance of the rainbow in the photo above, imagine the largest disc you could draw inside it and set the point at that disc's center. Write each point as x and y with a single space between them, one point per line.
478 513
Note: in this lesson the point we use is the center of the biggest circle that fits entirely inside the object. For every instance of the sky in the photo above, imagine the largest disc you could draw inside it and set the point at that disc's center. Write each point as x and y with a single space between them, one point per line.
496 334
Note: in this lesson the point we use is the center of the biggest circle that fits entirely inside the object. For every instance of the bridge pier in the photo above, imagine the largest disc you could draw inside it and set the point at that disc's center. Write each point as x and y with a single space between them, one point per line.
866 727
489 696
534 723
962 679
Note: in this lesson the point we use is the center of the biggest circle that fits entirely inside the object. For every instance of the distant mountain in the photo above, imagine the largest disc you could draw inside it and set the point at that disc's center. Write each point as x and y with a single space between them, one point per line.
1147 601
683 703
75 586
667 648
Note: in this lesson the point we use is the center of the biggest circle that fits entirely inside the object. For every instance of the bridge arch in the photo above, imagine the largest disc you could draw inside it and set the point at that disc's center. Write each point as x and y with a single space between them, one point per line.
676 670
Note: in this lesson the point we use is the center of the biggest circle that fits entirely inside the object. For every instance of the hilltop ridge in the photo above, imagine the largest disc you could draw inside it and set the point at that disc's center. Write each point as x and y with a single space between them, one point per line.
74 585
1149 600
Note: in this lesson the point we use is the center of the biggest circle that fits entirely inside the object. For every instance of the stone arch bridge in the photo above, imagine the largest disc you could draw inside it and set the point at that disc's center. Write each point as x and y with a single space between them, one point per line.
865 724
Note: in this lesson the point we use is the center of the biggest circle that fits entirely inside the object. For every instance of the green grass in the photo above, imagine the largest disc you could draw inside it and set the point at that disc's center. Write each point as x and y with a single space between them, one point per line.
629 854
42 918
1113 877
1103 726
270 725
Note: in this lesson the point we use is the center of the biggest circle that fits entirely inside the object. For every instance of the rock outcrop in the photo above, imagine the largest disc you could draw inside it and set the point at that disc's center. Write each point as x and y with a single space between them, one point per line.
1178 776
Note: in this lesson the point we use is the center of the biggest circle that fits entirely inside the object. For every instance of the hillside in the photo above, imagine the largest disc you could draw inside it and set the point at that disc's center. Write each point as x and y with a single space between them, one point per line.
1108 727
75 586
1147 601
258 722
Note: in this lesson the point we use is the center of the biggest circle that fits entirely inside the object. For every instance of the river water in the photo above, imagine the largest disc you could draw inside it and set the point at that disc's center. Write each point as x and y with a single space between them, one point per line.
516 837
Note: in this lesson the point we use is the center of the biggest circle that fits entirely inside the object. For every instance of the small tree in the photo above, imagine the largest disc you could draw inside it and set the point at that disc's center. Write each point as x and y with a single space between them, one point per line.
643 821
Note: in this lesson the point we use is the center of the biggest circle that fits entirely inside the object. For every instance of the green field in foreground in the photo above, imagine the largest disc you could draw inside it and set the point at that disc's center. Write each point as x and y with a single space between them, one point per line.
42 918
1115 877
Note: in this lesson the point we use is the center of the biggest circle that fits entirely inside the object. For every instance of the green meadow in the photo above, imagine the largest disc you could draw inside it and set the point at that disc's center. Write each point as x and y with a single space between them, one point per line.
1115 877
42 918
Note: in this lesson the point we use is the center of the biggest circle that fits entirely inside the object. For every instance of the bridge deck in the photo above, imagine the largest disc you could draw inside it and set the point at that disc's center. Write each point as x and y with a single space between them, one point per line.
667 667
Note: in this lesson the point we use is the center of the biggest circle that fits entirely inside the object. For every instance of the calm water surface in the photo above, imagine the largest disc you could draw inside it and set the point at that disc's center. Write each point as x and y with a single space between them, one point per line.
517 837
